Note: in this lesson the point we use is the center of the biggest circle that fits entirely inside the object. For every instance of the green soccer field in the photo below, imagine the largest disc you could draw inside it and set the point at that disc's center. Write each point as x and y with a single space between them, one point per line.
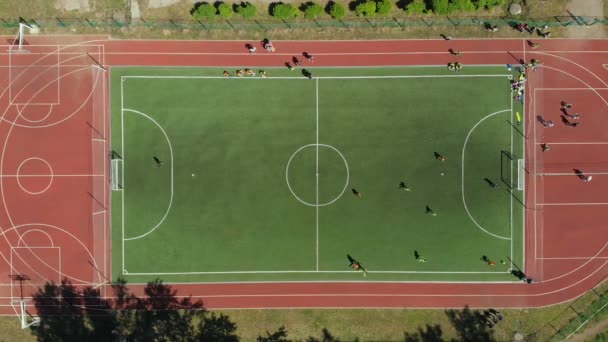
257 175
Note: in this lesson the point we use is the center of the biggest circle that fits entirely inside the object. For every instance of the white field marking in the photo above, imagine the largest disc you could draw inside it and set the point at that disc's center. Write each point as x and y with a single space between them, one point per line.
573 204
11 127
12 79
321 204
578 65
317 170
312 271
327 77
34 230
34 121
122 146
561 89
171 177
578 79
511 180
573 258
523 192
577 143
538 294
464 202
523 43
48 175
84 102
100 212
58 270
569 173
84 247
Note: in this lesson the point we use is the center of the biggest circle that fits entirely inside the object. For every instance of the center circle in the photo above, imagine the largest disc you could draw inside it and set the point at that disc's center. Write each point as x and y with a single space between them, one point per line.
313 172
34 175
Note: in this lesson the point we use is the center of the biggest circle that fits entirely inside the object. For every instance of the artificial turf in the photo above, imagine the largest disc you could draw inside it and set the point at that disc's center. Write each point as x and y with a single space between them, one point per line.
248 175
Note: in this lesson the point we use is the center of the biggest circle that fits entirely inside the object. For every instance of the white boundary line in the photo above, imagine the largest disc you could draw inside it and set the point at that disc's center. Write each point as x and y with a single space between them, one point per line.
122 193
573 203
123 78
512 130
328 77
314 271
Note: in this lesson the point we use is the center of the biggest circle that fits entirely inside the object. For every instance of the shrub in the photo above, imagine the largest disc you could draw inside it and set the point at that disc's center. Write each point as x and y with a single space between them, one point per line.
440 7
337 11
492 3
384 7
284 11
225 11
204 11
366 9
463 5
312 10
480 4
246 10
416 7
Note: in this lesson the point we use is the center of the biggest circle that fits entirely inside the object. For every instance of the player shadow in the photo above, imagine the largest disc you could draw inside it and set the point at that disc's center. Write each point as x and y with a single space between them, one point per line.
350 259
307 73
484 258
516 127
567 122
542 120
491 183
579 173
437 155
416 255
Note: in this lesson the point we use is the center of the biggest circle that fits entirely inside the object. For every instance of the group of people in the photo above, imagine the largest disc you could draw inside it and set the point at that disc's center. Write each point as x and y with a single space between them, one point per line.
245 72
541 31
269 47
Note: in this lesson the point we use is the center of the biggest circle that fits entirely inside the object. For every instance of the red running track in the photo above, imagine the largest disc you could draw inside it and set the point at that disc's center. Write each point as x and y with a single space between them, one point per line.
566 250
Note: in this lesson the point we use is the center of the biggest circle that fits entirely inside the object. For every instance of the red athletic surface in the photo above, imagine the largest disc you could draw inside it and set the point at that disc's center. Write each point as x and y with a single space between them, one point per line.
566 252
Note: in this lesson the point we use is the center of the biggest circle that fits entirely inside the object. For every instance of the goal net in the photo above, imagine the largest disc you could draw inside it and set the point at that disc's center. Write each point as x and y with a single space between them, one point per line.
116 175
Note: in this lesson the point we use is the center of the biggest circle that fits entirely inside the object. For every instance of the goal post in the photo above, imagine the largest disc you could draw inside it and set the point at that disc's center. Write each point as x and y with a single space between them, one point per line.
25 318
19 39
116 174
512 171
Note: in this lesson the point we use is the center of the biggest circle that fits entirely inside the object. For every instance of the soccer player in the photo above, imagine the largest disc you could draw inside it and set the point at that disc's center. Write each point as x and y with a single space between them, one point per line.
226 74
158 162
357 193
404 187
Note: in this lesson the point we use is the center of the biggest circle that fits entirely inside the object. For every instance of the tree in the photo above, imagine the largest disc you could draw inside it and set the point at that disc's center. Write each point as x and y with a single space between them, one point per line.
469 325
203 10
246 10
336 10
480 4
217 329
384 7
326 336
225 11
312 10
416 7
284 11
70 314
366 9
278 336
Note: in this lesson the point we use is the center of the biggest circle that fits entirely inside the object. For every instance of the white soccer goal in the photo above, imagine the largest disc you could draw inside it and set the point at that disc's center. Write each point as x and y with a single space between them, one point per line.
520 174
116 173
18 41
25 317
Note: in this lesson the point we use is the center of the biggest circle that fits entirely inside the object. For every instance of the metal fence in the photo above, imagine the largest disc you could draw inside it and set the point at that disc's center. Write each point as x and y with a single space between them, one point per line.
264 25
